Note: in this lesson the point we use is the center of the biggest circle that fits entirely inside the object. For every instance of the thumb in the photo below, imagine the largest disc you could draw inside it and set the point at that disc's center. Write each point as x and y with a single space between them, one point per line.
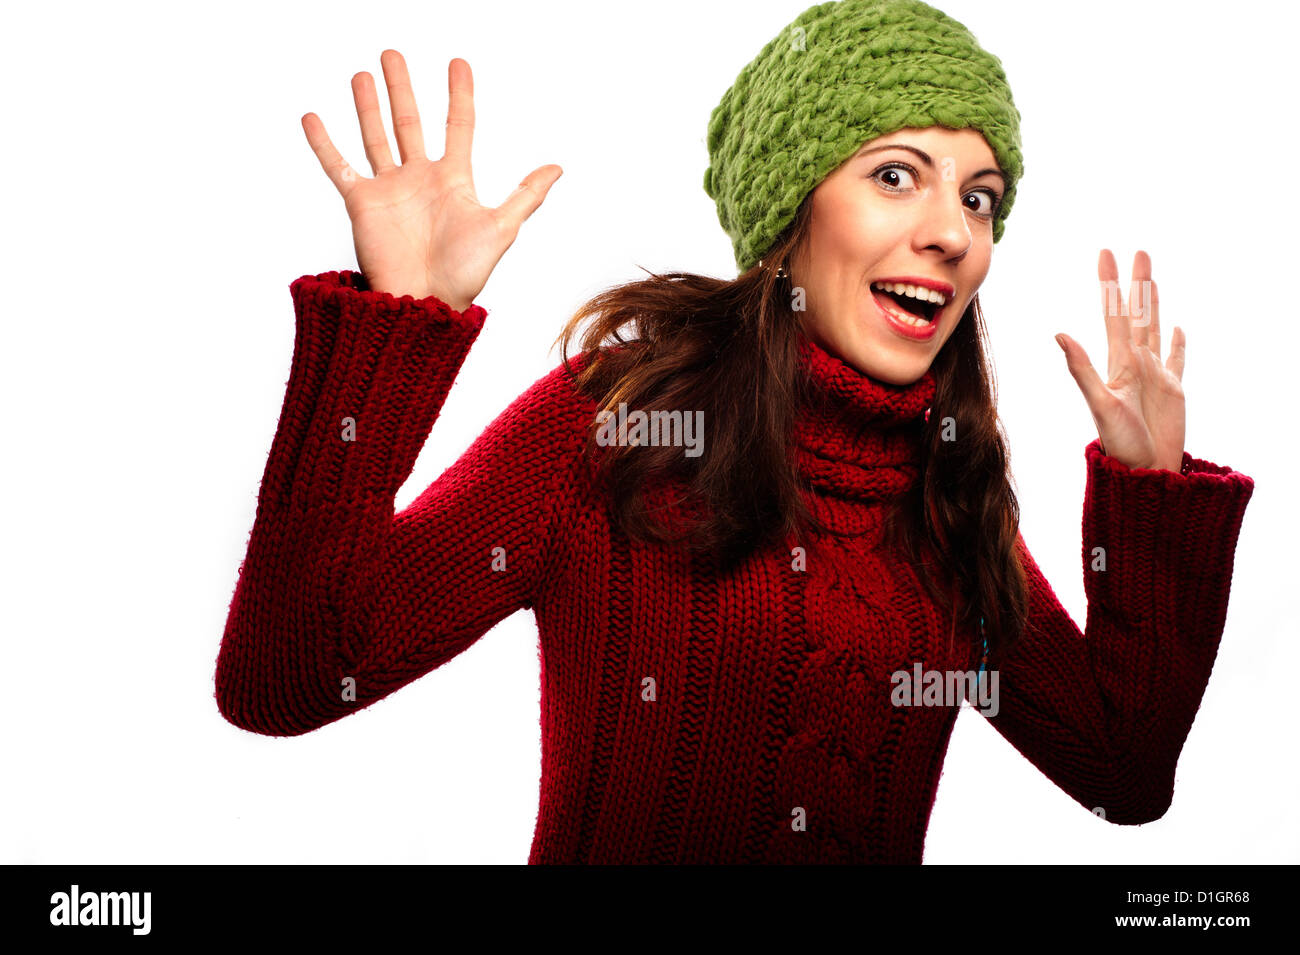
530 193
1085 376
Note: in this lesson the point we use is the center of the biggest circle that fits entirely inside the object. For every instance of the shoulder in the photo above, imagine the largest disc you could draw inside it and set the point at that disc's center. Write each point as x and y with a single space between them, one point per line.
551 417
556 397
554 417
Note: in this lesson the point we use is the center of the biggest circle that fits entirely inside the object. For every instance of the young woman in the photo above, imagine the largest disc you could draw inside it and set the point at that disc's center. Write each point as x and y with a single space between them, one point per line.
769 538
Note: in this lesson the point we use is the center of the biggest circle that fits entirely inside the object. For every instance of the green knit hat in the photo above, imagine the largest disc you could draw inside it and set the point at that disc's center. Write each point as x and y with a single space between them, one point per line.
840 74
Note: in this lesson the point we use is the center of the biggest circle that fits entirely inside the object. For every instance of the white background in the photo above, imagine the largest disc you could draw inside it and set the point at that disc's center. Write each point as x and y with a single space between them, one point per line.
160 197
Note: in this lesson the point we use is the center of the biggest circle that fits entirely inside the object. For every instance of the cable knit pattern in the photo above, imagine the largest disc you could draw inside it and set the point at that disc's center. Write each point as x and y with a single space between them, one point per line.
691 715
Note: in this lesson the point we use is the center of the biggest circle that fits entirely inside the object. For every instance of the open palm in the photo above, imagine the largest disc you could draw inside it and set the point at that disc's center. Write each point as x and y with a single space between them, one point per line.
1140 411
418 227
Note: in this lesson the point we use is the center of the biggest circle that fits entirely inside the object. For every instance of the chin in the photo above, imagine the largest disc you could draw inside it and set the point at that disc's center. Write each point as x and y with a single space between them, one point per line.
891 372
883 360
897 379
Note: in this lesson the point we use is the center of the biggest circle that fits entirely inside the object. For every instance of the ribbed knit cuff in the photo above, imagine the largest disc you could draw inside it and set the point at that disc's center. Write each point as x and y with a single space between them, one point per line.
346 292
371 371
1158 551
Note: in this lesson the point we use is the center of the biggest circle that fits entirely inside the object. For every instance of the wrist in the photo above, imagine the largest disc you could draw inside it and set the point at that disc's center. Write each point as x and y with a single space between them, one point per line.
418 291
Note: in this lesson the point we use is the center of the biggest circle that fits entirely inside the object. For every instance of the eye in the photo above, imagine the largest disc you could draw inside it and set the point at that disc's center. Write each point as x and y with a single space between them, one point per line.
898 177
989 206
897 170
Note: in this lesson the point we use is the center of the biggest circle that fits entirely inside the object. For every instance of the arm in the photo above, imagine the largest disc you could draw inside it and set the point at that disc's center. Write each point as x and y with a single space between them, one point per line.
335 587
1104 713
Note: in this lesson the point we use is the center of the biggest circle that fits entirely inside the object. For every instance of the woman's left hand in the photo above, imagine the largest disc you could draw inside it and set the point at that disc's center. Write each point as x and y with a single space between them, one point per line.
1140 411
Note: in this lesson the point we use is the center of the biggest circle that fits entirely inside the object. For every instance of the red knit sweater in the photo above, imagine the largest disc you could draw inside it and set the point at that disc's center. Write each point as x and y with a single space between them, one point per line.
688 715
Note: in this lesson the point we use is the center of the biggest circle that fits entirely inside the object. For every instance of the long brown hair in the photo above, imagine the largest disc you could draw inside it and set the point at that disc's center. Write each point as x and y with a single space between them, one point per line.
730 348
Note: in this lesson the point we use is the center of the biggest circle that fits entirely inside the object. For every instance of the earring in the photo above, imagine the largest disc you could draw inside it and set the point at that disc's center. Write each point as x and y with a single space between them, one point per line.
781 273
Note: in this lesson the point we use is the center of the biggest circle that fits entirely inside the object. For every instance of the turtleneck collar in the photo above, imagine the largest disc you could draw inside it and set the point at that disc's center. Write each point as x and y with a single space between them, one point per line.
859 439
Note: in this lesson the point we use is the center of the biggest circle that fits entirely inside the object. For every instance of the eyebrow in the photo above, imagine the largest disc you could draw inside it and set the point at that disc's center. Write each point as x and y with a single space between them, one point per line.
925 158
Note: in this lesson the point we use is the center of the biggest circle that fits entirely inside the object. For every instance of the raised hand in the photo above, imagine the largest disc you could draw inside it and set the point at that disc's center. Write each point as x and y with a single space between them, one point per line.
1140 411
418 228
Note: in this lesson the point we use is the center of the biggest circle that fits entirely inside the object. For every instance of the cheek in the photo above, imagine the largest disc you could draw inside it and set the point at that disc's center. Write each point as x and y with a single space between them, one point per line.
846 234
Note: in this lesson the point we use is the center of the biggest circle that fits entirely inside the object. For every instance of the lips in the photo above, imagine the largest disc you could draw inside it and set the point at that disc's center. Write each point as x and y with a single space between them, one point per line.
904 322
908 297
908 306
936 285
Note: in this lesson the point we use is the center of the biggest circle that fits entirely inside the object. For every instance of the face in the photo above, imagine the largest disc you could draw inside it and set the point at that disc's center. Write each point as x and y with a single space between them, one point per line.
917 204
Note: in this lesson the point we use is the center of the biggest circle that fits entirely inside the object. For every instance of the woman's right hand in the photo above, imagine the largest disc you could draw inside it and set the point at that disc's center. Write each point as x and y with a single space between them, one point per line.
418 228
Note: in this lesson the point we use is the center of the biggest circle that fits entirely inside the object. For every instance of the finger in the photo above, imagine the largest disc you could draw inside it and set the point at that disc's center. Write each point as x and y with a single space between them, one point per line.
401 100
1153 330
460 113
1139 297
340 173
373 137
1089 382
1177 353
530 194
1118 335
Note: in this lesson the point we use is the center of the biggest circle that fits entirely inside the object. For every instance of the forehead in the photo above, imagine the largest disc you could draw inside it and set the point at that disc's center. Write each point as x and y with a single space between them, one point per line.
968 144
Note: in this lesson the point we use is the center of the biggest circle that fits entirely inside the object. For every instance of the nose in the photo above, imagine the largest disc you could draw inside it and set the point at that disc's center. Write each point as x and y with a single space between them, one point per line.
943 224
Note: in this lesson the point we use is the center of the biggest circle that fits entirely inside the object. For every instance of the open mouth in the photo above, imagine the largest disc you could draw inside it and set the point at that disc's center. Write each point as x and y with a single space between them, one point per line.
913 304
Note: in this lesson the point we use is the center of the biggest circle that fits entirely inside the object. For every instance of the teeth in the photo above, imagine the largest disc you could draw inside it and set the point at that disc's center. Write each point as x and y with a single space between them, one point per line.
915 291
907 319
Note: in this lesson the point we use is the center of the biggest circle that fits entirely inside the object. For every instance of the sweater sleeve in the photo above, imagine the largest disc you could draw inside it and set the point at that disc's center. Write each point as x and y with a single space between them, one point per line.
339 601
1104 713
